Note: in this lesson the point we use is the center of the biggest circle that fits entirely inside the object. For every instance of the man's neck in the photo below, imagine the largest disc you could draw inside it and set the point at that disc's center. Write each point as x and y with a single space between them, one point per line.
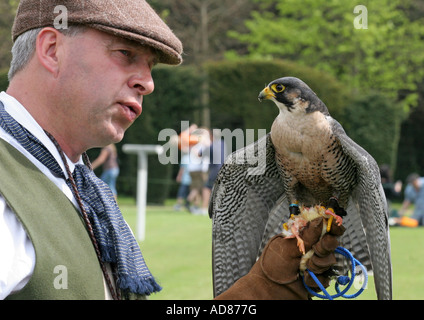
44 120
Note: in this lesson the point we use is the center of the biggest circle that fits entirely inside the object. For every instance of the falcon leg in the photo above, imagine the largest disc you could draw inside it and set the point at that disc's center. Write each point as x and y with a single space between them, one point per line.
335 212
294 209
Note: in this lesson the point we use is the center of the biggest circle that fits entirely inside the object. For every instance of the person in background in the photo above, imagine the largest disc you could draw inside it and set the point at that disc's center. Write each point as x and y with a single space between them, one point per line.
198 165
108 157
414 194
392 190
184 180
185 140
217 153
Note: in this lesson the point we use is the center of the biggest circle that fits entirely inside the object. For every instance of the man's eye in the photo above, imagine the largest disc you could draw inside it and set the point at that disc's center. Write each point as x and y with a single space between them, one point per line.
125 53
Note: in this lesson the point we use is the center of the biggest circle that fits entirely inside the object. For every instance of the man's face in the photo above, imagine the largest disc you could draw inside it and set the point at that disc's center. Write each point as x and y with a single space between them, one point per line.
101 84
416 184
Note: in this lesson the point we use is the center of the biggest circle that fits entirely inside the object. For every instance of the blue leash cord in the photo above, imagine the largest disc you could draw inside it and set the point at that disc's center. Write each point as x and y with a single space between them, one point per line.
341 280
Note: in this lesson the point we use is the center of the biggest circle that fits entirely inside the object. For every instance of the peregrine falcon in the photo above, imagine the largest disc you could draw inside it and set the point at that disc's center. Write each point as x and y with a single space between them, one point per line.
307 158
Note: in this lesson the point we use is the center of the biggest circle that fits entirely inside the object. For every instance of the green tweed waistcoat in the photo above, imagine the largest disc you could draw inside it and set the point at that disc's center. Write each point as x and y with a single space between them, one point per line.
66 263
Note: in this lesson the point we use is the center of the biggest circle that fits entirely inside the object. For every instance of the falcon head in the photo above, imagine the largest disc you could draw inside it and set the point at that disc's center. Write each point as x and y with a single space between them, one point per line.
293 95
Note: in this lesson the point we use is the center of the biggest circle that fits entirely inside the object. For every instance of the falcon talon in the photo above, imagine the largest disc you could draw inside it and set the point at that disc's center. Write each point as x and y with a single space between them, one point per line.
332 214
329 223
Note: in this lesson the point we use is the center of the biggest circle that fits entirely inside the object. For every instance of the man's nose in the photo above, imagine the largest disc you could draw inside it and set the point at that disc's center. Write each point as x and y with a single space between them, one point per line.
142 81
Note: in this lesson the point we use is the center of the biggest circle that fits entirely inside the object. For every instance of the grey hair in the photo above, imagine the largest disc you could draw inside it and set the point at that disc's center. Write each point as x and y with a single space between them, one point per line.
24 47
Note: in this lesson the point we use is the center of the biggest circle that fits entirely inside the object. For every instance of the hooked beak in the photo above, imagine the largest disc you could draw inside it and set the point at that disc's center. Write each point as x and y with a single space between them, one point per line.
266 94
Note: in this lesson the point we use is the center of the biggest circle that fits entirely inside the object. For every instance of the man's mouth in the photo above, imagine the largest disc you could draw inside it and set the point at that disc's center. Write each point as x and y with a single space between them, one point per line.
132 109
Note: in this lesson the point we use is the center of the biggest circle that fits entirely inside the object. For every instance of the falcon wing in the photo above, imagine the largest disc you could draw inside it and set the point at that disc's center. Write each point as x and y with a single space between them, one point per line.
367 217
243 198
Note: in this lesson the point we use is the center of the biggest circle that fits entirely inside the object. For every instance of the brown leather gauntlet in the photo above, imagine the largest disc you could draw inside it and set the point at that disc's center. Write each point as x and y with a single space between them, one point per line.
275 275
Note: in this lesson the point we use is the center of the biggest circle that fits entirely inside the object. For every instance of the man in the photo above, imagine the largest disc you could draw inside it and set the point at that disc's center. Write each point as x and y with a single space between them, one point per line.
62 235
83 86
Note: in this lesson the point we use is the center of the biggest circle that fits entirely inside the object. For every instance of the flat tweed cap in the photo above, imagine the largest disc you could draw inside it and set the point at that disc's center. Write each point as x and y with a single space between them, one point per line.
131 19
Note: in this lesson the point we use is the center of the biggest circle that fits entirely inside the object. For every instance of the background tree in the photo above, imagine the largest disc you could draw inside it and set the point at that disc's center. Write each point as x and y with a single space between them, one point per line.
201 24
387 56
7 14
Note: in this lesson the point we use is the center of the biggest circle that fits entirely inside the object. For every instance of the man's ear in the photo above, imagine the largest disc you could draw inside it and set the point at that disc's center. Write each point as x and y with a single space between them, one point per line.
48 41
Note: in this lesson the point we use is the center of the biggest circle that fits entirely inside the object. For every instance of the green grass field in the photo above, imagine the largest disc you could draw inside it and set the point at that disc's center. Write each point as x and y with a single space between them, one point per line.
177 250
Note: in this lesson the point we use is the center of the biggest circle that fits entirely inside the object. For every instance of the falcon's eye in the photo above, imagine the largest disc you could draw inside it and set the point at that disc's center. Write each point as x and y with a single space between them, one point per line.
278 87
